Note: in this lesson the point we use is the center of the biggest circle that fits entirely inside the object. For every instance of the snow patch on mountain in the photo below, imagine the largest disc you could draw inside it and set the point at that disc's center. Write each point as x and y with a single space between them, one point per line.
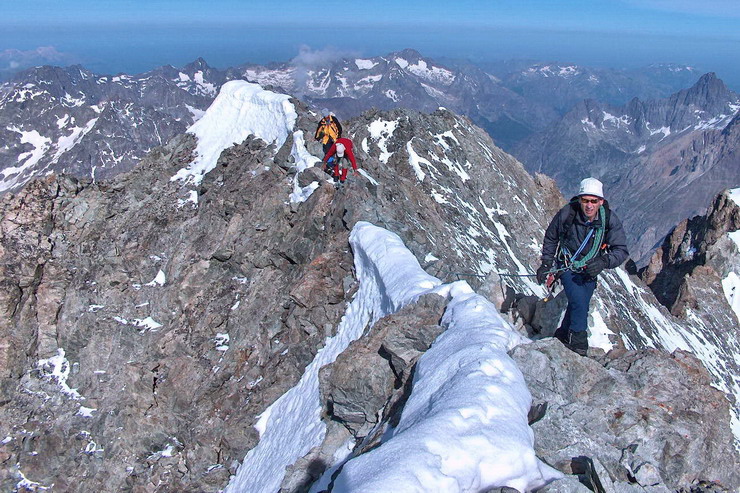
588 124
416 161
67 142
205 88
58 368
731 287
437 74
553 71
380 132
241 109
731 283
367 83
616 121
666 131
364 64
12 174
303 159
278 77
734 195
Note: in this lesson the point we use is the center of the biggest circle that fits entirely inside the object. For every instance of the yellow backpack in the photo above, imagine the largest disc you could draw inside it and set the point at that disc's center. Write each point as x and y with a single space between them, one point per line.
328 130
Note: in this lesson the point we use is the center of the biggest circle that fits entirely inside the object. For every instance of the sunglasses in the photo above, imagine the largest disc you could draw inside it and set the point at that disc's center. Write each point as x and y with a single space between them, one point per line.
589 201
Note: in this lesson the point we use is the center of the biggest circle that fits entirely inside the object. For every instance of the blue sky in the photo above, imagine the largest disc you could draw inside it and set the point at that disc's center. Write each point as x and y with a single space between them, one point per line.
134 36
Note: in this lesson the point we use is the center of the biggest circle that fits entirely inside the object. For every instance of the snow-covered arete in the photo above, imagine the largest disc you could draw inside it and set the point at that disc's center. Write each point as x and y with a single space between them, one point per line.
464 427
240 109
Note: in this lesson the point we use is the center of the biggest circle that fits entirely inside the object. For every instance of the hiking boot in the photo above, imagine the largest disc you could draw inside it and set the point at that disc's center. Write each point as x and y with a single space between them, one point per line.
561 335
578 342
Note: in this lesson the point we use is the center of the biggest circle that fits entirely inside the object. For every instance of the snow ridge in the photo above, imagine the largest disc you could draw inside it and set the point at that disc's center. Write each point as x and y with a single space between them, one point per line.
464 427
240 109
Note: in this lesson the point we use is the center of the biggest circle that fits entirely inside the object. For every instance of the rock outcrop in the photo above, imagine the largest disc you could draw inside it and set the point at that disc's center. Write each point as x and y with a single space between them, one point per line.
649 419
686 272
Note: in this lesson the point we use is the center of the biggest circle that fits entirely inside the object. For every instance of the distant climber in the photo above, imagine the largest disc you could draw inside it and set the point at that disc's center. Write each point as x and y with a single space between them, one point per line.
328 131
584 238
341 150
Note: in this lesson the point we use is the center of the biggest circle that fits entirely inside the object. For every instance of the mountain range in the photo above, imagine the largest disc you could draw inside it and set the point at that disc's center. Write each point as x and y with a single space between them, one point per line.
223 316
71 120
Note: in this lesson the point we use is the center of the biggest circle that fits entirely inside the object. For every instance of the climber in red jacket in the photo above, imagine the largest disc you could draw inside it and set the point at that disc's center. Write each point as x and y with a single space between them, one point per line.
343 150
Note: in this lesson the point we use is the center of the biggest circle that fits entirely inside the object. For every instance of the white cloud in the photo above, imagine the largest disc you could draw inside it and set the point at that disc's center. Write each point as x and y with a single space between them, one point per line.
12 60
308 60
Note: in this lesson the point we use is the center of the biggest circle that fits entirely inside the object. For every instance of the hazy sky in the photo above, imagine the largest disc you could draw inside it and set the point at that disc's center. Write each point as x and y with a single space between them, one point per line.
134 36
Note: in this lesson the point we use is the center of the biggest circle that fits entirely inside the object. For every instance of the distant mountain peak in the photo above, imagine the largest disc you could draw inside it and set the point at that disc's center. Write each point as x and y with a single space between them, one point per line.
708 91
408 53
197 64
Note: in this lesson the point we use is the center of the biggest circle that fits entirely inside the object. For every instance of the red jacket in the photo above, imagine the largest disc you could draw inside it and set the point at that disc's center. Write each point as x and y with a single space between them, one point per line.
347 151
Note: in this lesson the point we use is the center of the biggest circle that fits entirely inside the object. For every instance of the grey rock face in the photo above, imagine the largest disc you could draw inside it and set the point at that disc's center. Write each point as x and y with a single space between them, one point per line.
649 418
170 373
358 387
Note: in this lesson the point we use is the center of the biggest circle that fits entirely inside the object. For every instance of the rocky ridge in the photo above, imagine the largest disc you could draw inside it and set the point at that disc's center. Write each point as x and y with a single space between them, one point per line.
144 332
688 272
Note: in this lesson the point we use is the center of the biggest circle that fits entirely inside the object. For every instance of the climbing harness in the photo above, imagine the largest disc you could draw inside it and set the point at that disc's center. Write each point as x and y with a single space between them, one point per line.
565 258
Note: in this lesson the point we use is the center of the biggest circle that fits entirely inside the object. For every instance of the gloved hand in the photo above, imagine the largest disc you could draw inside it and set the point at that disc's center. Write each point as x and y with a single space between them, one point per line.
594 266
542 272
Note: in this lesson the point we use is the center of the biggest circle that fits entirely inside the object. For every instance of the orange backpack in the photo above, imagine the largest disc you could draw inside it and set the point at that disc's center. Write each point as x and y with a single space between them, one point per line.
328 130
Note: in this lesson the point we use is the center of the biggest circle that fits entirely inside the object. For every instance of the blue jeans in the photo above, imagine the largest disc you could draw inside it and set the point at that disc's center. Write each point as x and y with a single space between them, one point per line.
578 289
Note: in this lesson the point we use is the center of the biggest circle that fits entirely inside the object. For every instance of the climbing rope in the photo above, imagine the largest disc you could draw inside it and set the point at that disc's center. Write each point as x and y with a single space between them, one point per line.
578 265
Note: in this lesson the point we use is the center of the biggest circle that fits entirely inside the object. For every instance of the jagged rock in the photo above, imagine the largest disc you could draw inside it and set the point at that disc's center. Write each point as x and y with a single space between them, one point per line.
648 417
686 271
361 382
